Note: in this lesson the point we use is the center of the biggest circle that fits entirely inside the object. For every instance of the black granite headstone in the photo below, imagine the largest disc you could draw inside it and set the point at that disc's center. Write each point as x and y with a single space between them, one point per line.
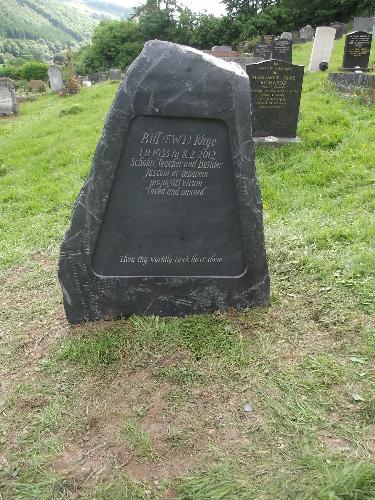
169 221
357 50
275 96
263 50
282 50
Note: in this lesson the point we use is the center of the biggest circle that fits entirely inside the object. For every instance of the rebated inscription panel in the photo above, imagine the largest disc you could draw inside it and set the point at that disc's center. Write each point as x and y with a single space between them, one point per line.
275 97
173 206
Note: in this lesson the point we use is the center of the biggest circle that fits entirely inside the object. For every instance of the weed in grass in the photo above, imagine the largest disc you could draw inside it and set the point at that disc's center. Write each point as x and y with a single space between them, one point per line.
75 109
138 439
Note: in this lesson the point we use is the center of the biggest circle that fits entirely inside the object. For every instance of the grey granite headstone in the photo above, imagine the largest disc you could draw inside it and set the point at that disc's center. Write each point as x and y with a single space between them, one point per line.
55 79
357 50
352 81
8 102
364 24
114 74
287 35
263 50
282 50
169 221
307 33
275 97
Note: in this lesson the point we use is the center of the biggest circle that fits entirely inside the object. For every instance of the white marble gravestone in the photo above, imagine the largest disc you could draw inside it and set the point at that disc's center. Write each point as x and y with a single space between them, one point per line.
322 48
8 104
55 79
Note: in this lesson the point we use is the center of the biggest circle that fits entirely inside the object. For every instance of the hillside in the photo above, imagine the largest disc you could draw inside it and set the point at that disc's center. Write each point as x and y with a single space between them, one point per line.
153 408
101 9
39 28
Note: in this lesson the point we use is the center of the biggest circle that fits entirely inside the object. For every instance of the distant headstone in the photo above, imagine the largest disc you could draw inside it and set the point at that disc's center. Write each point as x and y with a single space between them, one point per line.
169 221
37 86
352 81
8 103
222 53
364 24
340 29
307 33
322 48
86 83
263 50
286 35
55 79
282 50
267 38
94 77
242 60
357 50
275 97
221 48
114 74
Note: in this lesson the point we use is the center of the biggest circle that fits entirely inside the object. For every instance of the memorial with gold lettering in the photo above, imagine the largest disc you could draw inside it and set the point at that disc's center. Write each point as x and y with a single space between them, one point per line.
275 88
357 51
169 221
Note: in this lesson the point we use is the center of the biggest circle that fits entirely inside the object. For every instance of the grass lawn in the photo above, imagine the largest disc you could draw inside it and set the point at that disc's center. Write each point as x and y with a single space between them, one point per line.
154 408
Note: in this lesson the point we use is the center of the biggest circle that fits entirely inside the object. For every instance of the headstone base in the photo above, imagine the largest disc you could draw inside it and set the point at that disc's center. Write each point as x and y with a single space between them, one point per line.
276 141
347 81
353 70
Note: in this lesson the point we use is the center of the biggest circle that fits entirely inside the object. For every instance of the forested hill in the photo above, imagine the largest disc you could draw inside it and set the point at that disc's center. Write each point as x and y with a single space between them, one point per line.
47 19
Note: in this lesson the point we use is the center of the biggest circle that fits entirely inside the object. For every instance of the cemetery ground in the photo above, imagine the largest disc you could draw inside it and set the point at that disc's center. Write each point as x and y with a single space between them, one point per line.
155 408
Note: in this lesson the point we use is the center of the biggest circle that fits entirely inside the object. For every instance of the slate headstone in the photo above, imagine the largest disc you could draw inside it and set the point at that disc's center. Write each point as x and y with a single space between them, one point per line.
169 221
352 81
364 24
94 77
340 29
282 50
275 97
114 74
357 50
307 33
263 50
55 79
322 47
221 48
8 102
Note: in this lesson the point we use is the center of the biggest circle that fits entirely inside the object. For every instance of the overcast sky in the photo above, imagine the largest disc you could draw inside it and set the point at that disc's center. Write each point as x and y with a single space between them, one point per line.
211 6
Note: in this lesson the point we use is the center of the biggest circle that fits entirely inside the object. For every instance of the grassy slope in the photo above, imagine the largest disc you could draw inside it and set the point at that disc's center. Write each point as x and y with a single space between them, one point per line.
154 408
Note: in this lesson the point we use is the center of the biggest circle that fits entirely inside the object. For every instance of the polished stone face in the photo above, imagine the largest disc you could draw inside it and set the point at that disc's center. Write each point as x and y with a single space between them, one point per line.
275 96
263 50
282 50
169 221
357 50
173 209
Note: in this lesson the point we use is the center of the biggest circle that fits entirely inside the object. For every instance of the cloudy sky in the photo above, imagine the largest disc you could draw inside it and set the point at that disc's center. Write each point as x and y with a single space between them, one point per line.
211 6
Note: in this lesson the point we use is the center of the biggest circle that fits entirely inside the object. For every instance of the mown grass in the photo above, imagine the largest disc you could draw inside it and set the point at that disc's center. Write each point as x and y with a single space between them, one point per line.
154 408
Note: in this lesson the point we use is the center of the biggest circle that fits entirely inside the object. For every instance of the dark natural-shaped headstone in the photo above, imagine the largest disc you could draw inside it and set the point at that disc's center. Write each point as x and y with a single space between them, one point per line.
357 50
169 221
263 50
340 29
275 96
282 50
8 102
94 77
114 74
